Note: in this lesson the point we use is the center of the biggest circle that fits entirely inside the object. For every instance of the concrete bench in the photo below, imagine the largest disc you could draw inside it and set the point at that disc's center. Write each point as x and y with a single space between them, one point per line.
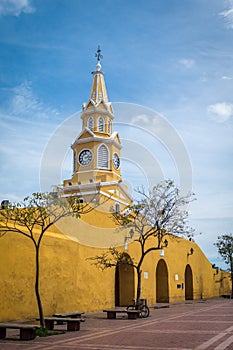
27 331
226 296
73 324
76 314
132 314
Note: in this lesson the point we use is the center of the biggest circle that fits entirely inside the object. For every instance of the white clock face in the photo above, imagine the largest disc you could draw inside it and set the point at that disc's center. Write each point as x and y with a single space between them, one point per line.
85 157
116 161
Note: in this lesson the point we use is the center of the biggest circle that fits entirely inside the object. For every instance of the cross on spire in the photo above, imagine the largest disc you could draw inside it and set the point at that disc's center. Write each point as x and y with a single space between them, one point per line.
98 54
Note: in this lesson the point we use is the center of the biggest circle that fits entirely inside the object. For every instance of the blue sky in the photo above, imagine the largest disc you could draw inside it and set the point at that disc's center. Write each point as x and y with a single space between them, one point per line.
174 57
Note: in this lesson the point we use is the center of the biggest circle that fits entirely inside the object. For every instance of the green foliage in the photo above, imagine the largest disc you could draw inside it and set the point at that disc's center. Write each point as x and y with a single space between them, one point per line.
44 332
225 248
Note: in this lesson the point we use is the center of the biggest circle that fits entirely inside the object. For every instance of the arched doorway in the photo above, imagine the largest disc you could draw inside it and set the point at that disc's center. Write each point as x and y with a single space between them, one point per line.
188 283
162 292
124 284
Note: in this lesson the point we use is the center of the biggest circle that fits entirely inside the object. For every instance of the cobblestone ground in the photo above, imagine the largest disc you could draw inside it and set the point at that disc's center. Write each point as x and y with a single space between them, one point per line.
197 325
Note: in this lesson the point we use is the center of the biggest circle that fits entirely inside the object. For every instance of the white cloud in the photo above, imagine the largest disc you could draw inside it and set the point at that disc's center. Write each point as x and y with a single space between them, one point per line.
226 77
23 100
228 15
221 112
15 7
187 62
24 104
140 118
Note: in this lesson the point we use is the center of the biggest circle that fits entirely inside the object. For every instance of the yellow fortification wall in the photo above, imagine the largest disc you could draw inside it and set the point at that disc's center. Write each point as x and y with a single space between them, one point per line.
70 282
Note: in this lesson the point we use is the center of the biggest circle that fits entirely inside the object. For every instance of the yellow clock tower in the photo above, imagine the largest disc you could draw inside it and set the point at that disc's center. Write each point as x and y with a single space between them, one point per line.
97 149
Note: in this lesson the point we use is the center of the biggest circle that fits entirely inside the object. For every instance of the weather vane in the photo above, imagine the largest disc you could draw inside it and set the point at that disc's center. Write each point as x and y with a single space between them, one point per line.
98 54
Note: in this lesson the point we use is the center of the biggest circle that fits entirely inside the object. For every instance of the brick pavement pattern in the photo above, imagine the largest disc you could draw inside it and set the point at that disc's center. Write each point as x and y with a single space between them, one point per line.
196 325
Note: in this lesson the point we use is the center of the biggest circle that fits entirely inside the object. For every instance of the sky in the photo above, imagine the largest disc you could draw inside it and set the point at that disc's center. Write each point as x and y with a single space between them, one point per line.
168 68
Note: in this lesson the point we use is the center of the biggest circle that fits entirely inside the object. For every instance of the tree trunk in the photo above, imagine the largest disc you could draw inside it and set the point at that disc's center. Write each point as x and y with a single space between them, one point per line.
37 289
232 284
231 266
139 275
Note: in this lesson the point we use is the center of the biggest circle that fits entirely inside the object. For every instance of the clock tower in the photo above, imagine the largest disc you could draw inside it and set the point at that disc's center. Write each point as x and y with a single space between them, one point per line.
97 149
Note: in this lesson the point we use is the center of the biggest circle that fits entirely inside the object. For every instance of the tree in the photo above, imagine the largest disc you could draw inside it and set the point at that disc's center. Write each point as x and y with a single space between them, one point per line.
225 249
160 214
33 217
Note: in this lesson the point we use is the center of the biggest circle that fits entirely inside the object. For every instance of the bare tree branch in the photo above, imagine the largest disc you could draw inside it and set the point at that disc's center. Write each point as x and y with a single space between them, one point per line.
34 216
159 214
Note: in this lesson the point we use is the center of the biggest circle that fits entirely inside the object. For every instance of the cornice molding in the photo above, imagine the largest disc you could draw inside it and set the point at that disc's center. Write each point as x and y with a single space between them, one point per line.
98 111
95 138
90 187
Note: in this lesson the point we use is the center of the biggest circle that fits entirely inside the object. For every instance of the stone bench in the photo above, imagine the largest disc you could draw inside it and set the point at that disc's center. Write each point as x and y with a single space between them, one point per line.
226 296
73 324
132 314
27 331
76 314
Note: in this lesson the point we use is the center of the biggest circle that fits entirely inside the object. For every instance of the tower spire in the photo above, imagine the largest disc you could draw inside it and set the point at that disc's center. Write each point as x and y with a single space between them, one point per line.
98 90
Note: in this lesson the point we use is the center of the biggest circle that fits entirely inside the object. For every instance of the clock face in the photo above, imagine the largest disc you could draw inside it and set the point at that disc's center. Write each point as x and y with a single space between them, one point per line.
85 157
116 161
